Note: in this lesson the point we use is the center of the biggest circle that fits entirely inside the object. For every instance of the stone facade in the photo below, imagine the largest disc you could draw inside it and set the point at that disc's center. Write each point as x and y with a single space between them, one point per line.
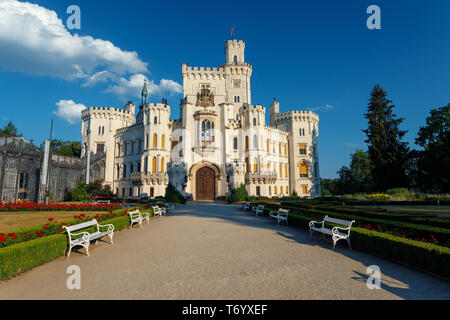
220 141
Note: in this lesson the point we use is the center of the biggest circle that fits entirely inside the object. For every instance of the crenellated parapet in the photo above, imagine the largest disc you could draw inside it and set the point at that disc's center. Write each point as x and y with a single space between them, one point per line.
300 116
202 72
106 113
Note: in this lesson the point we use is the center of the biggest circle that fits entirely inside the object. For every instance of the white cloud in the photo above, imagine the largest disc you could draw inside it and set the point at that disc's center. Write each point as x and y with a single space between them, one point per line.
34 40
325 108
133 87
69 110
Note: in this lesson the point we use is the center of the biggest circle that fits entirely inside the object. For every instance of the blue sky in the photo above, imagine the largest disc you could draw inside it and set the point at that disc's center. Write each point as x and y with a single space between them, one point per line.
307 54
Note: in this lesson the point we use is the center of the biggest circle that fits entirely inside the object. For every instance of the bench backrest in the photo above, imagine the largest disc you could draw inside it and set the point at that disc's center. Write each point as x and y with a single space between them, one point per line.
338 221
82 226
132 213
283 212
261 207
156 208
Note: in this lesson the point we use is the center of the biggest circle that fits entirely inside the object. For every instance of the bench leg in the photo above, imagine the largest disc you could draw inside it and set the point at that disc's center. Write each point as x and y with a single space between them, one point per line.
86 246
70 250
349 245
111 237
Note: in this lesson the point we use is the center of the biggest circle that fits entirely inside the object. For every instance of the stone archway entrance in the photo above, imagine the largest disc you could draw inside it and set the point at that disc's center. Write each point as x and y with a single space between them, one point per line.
205 187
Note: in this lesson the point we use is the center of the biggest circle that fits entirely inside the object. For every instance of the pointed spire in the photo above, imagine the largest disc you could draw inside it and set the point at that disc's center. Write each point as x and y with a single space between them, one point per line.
144 93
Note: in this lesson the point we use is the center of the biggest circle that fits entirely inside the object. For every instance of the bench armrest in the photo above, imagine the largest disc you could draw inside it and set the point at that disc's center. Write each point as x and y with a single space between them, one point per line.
109 226
84 235
335 230
313 223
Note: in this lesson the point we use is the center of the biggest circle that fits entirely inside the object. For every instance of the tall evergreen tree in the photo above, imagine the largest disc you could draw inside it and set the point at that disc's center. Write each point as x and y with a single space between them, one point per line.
388 154
433 165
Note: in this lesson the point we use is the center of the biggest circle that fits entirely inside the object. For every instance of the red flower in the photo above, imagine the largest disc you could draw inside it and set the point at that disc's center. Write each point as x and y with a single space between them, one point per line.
46 227
50 219
2 239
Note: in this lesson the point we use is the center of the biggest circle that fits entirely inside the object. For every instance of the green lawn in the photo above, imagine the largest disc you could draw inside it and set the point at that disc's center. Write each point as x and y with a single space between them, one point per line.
16 220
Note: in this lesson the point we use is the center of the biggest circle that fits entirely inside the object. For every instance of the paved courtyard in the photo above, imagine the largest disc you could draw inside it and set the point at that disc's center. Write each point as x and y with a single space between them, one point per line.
214 251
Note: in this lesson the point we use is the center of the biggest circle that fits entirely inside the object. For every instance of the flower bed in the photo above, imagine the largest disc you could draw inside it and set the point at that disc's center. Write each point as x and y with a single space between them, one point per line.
53 227
32 206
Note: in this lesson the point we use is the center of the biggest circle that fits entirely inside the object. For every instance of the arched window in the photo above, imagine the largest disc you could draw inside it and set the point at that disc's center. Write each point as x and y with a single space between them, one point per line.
247 164
254 121
162 165
255 141
154 165
206 130
155 141
124 172
255 165
235 60
163 141
303 169
286 171
155 120
281 170
246 143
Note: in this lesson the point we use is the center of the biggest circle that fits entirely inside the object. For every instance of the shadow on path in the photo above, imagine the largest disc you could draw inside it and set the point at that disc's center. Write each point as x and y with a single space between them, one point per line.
408 284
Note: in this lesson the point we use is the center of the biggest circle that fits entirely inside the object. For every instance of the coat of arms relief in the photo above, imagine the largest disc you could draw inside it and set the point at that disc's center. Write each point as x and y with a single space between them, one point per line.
205 98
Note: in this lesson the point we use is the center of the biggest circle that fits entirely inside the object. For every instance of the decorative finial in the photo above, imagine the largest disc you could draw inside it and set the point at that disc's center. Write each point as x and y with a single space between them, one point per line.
144 93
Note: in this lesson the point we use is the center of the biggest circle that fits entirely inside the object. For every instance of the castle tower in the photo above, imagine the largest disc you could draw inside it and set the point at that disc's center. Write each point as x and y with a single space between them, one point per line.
98 128
235 52
303 150
237 73
274 110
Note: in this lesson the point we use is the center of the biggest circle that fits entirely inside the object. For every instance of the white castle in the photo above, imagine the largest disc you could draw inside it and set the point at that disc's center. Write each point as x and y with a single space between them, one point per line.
220 142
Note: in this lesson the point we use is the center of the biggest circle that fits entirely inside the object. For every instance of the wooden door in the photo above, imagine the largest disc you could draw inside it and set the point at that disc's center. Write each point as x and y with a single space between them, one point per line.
205 184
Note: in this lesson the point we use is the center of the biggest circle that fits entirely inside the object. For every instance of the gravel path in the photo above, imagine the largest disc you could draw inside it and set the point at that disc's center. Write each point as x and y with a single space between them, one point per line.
214 251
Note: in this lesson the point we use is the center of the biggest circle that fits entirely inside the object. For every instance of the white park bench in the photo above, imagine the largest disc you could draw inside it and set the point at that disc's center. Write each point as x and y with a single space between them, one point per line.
246 206
103 202
84 238
280 215
337 233
259 210
170 208
137 217
157 211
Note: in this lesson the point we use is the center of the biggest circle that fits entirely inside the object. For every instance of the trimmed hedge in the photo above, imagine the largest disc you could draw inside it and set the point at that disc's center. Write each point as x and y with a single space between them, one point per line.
21 257
25 256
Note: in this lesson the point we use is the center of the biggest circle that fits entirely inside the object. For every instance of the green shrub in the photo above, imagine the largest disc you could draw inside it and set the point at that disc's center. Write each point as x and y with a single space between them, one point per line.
24 256
399 192
238 195
173 195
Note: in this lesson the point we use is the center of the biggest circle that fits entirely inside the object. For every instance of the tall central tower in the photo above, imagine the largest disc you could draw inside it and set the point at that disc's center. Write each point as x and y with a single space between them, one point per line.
237 73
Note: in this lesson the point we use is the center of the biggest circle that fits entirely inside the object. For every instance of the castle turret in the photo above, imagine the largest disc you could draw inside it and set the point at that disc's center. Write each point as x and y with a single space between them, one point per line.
234 52
274 110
